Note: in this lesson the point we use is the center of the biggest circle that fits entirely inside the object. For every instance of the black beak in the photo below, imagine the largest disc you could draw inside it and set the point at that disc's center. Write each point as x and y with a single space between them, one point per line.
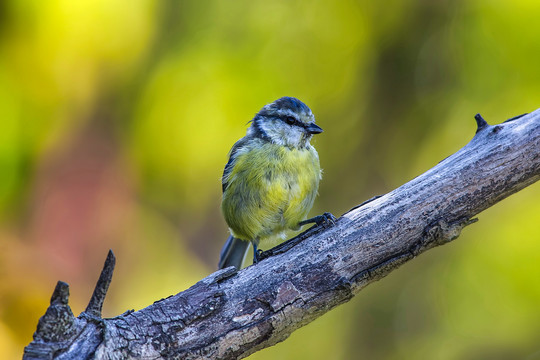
313 129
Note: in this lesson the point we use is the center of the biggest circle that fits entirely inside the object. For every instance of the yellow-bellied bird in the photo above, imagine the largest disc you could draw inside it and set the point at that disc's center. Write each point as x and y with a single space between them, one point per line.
271 179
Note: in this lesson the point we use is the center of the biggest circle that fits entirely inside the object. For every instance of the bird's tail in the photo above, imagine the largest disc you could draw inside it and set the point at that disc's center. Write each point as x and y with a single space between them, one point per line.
233 253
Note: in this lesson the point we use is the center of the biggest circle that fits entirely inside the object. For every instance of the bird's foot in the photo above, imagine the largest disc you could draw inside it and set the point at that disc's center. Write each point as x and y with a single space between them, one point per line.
324 220
257 255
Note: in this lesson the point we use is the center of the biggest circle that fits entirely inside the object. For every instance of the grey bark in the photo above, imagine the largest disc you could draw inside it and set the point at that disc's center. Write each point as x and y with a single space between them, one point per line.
232 314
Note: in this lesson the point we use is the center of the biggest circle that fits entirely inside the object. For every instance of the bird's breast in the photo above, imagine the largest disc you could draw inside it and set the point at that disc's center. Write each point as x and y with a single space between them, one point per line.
271 188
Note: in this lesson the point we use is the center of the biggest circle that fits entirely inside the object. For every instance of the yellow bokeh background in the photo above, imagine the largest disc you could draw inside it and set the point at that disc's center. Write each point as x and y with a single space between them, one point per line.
116 119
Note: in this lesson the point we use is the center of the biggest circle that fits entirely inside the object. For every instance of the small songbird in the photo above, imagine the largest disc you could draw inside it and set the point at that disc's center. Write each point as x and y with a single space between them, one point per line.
271 179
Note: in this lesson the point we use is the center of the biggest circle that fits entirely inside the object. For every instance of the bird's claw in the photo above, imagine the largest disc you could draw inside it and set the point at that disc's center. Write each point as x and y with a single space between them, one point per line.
324 220
257 255
328 219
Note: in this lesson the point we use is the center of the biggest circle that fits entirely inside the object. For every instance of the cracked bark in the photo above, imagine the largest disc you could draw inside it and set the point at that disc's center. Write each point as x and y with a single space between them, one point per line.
232 314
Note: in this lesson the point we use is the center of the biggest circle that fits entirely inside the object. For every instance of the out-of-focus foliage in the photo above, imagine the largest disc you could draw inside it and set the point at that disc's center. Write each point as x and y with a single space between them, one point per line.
116 118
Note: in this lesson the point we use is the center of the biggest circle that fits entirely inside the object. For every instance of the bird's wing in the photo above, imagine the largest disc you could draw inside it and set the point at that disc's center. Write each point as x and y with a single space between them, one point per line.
230 164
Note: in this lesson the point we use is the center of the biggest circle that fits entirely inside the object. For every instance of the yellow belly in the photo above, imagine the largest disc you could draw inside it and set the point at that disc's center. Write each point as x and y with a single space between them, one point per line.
270 189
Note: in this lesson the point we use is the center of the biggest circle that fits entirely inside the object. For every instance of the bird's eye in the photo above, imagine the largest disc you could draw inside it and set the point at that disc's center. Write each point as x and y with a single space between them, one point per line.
290 120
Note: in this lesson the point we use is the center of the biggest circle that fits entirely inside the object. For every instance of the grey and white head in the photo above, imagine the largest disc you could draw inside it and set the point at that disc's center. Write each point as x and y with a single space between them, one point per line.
287 121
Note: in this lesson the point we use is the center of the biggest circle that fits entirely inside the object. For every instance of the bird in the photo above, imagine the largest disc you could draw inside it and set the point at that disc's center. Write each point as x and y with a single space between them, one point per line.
271 180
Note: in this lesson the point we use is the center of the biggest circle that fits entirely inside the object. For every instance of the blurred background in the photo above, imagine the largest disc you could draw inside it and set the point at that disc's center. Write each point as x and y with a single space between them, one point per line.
116 119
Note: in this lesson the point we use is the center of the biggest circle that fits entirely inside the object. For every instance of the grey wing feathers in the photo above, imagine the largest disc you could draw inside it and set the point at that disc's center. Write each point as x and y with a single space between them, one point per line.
230 163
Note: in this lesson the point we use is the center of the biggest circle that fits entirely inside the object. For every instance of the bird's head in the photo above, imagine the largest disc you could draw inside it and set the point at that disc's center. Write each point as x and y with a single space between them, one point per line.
287 121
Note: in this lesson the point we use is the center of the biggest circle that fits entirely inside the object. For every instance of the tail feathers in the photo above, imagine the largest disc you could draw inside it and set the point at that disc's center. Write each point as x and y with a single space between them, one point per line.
233 253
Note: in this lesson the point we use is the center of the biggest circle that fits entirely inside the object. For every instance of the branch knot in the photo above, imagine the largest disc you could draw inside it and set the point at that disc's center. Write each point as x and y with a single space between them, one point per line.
58 322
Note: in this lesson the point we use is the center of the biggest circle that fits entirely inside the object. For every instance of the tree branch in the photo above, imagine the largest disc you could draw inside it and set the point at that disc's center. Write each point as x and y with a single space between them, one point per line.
98 296
230 314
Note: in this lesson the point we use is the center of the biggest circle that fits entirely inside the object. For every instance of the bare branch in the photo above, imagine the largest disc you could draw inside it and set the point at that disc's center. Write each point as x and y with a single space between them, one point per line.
98 297
230 314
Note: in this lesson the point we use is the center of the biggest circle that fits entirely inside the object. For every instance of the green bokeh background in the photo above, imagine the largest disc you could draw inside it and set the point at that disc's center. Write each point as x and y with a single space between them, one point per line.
116 118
